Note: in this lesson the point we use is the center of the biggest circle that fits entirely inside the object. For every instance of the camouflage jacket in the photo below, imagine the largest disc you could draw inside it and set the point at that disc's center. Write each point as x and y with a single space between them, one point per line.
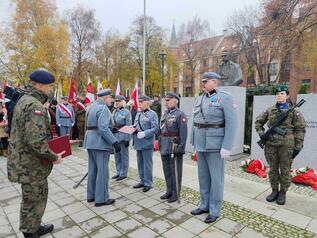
294 126
28 145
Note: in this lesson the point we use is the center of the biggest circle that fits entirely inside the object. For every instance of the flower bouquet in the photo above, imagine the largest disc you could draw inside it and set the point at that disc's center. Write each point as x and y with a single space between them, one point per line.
255 167
194 156
305 176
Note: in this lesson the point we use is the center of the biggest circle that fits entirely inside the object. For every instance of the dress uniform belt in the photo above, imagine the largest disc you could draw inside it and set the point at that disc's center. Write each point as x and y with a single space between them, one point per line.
170 134
92 128
201 125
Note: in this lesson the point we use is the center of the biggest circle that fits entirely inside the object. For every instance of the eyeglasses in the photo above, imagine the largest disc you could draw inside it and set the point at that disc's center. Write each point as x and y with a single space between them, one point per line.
167 100
204 82
117 100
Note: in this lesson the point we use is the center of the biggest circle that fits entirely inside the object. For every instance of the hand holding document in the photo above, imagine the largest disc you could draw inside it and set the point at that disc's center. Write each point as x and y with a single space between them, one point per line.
127 130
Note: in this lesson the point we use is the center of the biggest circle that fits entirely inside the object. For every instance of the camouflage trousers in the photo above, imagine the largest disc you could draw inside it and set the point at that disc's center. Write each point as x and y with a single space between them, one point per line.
81 130
280 161
34 198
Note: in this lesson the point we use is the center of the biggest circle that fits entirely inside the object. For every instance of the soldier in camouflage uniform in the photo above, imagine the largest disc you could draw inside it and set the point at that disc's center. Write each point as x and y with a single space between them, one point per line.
30 160
281 150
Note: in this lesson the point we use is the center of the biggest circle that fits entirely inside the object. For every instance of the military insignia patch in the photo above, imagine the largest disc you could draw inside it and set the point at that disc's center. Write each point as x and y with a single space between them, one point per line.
37 113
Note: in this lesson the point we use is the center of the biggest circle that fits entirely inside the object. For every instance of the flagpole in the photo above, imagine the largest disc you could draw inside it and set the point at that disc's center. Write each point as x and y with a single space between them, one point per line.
144 45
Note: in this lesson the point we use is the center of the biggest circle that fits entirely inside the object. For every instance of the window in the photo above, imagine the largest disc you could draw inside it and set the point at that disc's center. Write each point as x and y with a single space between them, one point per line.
188 91
205 62
306 82
273 68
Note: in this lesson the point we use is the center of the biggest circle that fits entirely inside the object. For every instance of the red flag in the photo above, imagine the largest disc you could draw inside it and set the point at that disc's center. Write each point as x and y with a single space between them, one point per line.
72 92
90 93
135 95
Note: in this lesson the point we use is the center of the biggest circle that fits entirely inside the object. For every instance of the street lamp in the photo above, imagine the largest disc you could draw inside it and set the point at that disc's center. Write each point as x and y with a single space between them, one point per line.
162 55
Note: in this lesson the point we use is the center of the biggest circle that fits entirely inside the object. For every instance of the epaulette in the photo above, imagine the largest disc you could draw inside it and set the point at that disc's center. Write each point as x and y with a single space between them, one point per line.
224 92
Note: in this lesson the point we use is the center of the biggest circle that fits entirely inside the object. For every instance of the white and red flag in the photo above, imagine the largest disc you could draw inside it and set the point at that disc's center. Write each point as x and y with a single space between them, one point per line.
72 98
118 89
90 97
99 87
135 96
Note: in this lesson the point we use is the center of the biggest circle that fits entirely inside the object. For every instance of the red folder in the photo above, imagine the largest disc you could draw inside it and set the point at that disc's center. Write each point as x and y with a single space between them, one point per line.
60 144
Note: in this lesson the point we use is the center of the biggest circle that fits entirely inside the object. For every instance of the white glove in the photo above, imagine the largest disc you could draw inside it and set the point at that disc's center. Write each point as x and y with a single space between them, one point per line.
140 135
59 125
225 153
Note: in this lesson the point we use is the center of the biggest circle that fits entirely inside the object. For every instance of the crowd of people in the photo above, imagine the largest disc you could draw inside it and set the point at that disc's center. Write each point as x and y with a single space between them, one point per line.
110 125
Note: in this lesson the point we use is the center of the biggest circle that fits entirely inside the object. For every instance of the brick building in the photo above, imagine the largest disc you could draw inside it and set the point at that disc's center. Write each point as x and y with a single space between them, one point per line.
292 71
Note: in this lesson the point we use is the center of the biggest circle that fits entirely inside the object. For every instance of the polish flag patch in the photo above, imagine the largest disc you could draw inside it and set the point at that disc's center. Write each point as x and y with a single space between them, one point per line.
38 113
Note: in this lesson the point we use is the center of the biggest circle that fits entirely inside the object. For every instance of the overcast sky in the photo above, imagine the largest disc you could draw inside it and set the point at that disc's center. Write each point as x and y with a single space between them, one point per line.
120 13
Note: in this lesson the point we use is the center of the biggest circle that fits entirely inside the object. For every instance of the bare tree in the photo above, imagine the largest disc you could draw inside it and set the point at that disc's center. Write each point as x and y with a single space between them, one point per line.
114 58
189 33
85 32
154 44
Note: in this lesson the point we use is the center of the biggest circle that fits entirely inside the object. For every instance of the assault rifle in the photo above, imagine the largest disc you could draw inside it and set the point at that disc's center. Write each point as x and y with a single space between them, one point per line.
275 126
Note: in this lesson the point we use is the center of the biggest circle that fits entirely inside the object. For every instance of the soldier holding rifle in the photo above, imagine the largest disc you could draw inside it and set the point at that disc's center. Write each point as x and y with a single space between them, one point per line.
281 142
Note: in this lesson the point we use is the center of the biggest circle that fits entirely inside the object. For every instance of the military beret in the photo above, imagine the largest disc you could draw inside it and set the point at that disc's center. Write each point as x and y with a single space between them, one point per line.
119 97
42 76
104 92
172 95
210 75
64 97
144 98
225 52
281 88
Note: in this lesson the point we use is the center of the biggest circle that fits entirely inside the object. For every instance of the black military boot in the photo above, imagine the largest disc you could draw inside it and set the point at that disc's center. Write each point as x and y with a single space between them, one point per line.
273 196
45 229
30 235
281 199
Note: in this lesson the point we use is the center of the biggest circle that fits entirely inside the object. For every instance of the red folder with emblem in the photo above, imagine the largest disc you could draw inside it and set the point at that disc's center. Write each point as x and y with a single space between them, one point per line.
60 144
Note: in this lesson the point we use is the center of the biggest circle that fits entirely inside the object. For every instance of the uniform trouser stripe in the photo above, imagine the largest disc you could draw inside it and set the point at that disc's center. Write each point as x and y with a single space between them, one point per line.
169 172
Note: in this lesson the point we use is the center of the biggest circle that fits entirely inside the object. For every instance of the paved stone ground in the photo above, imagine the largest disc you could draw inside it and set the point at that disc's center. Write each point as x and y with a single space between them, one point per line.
135 214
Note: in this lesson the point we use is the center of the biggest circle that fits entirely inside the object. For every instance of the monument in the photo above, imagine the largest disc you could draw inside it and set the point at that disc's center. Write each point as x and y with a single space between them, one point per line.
230 72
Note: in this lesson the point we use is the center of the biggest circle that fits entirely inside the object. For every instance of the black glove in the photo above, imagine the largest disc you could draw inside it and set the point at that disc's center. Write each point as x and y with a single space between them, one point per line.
126 143
179 150
262 136
114 130
117 147
295 153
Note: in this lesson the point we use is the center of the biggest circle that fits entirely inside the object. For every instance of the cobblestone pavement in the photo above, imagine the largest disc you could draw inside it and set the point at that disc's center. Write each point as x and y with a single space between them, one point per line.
134 214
